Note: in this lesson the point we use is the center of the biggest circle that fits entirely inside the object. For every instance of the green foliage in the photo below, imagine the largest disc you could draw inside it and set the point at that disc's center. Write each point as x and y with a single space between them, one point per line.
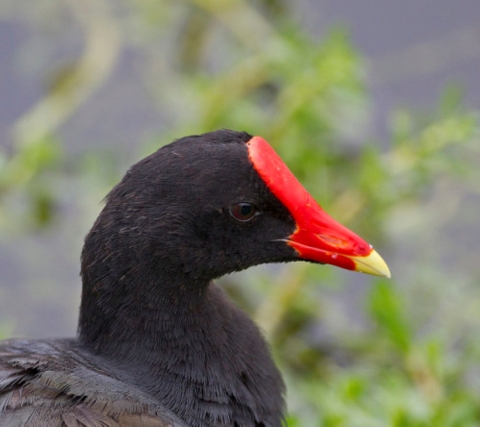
25 178
387 310
410 358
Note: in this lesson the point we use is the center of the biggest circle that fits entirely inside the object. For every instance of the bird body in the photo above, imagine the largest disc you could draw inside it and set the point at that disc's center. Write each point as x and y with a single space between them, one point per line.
55 383
159 343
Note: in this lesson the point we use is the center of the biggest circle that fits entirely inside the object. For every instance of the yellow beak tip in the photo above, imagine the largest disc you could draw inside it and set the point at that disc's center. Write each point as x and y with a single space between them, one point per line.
372 264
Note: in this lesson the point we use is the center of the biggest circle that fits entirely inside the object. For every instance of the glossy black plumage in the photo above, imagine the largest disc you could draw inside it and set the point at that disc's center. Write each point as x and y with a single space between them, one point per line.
159 344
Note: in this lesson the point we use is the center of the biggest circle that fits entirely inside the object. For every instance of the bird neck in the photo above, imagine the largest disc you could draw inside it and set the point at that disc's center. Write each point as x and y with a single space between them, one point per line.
132 308
183 342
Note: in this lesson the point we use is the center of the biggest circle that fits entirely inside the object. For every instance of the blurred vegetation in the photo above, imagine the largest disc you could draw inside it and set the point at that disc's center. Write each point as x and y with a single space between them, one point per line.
403 352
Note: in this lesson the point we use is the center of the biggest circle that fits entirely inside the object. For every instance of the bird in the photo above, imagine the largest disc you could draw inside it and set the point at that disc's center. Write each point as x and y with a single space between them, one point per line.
159 343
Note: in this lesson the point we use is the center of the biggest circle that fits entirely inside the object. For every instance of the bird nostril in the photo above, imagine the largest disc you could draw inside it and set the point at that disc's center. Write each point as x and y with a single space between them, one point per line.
332 240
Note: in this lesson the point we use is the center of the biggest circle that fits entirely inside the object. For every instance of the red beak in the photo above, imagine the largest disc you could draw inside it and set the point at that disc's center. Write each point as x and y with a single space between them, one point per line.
318 237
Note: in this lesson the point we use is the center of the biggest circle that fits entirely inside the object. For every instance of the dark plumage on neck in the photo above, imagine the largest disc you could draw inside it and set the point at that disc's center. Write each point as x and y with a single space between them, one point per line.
148 303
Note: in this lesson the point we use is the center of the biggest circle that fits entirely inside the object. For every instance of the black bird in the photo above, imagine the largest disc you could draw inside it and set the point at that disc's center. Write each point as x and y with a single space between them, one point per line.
158 343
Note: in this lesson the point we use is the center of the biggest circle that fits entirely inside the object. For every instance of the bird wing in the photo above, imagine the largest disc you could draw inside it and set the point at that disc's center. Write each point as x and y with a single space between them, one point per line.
43 384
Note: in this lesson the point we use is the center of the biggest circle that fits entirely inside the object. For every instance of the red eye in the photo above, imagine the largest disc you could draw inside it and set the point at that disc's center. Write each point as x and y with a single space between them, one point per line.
243 212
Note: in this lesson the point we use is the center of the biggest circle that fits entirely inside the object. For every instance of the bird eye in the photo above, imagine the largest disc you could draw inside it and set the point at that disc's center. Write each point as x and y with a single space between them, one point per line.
243 212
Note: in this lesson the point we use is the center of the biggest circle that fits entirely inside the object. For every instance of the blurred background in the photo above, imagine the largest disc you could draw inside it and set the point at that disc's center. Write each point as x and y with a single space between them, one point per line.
373 105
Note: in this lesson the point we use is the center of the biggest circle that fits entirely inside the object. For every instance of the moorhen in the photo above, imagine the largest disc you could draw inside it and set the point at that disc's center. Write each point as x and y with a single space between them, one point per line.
158 343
